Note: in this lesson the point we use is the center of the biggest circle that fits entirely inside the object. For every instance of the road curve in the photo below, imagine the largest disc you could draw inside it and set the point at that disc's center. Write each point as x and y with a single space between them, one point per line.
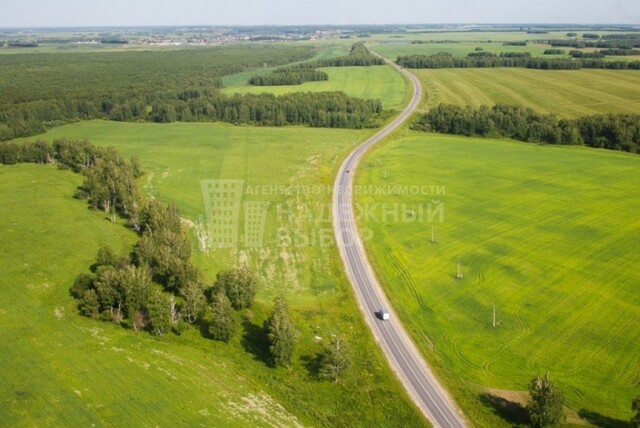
402 354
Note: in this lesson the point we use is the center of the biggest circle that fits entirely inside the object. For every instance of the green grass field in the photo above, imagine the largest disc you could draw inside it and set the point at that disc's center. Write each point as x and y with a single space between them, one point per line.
565 93
178 156
63 369
547 234
378 82
393 50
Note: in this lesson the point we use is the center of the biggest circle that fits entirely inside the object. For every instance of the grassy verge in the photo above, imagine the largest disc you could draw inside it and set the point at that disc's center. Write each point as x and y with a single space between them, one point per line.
546 234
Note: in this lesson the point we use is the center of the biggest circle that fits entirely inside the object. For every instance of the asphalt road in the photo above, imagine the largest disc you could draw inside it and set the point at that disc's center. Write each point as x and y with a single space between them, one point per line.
403 356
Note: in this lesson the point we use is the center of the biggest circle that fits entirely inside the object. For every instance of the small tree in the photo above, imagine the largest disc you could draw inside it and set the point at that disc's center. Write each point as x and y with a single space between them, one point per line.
335 359
108 289
135 283
194 301
159 310
281 333
547 401
82 283
239 285
635 406
224 324
106 257
89 305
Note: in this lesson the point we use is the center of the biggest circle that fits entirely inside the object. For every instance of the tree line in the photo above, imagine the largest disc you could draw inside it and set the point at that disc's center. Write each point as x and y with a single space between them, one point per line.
446 60
297 74
156 287
320 109
294 75
359 56
605 42
612 131
325 109
109 179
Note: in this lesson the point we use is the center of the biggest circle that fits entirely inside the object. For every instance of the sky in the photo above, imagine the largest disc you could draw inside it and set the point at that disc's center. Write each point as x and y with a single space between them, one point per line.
74 13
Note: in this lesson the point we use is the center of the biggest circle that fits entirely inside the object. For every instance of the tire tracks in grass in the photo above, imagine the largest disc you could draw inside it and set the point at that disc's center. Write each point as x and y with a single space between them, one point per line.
552 348
408 279
524 331
453 342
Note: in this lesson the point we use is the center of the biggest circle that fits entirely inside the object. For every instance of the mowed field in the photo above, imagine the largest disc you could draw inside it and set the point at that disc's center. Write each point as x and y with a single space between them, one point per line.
565 93
377 82
549 235
64 369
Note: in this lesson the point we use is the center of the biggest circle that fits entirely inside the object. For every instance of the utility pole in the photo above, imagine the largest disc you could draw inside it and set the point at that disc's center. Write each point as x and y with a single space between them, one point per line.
459 274
494 316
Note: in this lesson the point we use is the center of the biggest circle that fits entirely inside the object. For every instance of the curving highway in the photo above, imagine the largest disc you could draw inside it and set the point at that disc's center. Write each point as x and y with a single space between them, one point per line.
404 357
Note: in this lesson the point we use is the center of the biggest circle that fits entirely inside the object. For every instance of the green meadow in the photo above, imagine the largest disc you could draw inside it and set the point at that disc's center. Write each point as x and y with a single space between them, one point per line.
393 50
546 234
565 93
377 82
99 373
272 163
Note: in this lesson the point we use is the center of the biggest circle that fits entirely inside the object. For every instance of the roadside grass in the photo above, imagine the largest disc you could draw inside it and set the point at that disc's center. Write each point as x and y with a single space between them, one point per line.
546 234
567 94
61 368
377 82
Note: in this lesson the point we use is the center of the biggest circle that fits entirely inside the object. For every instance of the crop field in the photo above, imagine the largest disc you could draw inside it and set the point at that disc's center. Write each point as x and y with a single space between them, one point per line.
463 43
100 373
565 93
546 234
377 82
393 50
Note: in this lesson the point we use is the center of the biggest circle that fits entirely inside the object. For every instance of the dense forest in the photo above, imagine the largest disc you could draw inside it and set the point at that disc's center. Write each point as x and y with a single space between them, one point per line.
489 60
359 56
44 91
613 131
